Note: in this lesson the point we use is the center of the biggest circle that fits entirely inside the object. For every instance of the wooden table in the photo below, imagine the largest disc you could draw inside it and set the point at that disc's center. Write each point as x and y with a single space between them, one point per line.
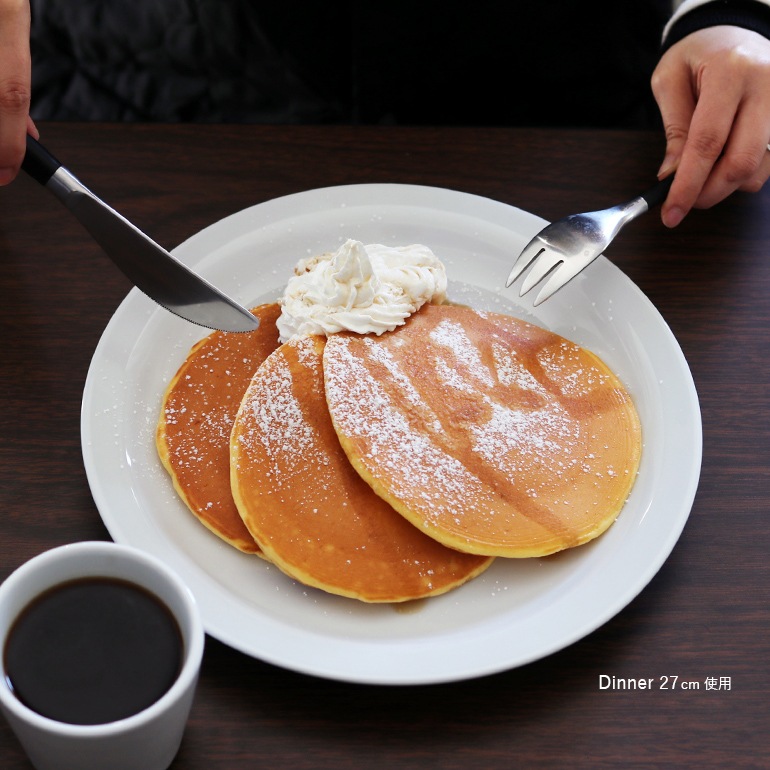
704 615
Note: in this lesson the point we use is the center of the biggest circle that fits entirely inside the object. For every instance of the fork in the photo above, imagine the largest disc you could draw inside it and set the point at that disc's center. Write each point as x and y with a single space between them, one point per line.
564 248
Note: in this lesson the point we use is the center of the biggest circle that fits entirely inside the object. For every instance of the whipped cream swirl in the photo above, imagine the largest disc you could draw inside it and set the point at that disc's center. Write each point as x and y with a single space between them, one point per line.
364 289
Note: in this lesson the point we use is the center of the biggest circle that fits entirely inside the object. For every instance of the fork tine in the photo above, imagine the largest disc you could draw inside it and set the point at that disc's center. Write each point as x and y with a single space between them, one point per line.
561 276
546 262
528 255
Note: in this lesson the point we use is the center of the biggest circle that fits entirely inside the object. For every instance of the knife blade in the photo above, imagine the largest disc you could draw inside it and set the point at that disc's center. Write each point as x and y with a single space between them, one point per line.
151 268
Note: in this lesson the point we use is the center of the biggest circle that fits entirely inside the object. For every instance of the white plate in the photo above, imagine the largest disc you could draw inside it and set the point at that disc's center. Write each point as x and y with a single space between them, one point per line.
516 612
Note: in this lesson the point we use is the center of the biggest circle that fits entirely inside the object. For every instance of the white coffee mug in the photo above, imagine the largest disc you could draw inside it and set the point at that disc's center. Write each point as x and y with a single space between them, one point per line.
148 739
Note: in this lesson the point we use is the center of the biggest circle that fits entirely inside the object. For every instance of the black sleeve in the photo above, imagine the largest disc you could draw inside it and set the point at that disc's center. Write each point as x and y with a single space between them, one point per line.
748 14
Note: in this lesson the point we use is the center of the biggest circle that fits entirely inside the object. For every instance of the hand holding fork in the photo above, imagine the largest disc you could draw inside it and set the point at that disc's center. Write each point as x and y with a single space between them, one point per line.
564 248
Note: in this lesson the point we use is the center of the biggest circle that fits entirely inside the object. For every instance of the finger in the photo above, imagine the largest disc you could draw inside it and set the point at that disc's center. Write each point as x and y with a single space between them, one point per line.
15 79
758 181
676 102
744 163
712 122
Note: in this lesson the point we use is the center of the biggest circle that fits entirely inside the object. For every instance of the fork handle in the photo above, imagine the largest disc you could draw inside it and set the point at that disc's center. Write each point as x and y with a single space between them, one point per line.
658 192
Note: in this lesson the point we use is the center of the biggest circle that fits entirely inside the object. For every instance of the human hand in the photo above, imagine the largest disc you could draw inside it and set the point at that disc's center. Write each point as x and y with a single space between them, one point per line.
713 92
15 86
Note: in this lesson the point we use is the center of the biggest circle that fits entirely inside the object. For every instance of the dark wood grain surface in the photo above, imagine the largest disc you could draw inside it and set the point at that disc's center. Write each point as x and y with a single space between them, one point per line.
705 614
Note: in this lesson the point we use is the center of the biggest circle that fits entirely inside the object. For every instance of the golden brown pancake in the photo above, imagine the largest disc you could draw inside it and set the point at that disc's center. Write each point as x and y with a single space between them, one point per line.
490 434
199 406
311 513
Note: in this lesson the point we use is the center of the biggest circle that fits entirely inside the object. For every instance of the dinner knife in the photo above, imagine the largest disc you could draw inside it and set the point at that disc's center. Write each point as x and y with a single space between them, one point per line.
151 268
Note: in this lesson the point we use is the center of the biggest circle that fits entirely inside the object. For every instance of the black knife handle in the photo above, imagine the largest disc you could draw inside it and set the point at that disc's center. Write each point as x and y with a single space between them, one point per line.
38 162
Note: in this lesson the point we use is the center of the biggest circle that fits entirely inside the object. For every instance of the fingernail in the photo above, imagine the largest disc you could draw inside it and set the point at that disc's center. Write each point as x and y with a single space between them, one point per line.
668 165
672 216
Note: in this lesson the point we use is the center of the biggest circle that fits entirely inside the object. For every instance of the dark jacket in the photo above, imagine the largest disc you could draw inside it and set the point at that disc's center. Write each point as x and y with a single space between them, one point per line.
298 61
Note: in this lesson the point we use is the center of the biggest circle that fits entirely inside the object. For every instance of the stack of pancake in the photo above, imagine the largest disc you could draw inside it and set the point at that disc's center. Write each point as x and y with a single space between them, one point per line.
394 467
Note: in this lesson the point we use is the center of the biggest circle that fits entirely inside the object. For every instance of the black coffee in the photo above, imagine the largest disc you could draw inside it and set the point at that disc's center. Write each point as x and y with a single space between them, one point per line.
93 651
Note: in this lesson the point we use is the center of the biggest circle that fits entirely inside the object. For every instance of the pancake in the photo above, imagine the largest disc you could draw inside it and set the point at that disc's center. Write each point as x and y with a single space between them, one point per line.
310 512
491 435
199 406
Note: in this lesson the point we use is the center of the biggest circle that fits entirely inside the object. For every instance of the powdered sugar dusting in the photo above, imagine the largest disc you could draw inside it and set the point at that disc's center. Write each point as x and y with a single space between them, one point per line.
512 371
514 440
540 431
306 351
383 356
451 377
565 366
214 424
413 463
452 335
198 415
272 415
